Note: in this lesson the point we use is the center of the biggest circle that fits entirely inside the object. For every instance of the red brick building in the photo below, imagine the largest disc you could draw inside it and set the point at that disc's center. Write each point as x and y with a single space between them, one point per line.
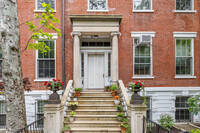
151 40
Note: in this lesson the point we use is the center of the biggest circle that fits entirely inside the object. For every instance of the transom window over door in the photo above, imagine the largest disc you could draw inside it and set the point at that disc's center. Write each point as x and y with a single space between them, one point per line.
142 4
184 4
39 4
98 5
184 57
46 62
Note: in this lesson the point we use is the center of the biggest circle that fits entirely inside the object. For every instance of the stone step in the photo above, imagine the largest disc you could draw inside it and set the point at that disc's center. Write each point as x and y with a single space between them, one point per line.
95 94
95 98
94 112
95 124
95 130
95 117
94 102
106 106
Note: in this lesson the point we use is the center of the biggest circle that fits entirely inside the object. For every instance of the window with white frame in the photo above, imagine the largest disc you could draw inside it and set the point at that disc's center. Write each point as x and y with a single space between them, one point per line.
46 62
182 113
40 110
142 60
2 114
142 4
97 5
184 5
184 57
39 4
0 65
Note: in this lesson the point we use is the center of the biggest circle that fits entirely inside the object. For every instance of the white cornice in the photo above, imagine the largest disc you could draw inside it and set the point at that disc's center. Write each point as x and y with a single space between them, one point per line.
139 33
185 34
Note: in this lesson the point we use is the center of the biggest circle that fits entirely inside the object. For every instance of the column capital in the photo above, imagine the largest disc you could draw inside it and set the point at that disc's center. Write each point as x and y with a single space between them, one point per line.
75 33
115 33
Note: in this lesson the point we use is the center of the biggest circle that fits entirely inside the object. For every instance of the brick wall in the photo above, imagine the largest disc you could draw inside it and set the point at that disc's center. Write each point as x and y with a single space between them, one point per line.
164 21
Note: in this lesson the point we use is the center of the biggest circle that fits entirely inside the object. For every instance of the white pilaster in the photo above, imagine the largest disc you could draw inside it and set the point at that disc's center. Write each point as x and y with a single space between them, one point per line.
115 36
76 65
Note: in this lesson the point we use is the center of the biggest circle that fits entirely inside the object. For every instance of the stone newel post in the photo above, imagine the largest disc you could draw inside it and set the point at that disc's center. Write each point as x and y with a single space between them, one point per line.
76 62
115 38
54 117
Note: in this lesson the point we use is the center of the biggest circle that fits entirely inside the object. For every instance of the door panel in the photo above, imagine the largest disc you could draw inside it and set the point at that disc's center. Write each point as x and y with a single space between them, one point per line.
95 71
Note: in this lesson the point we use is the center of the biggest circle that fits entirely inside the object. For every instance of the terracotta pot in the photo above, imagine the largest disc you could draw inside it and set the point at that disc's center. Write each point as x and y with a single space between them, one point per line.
123 130
114 93
78 93
68 131
73 107
108 90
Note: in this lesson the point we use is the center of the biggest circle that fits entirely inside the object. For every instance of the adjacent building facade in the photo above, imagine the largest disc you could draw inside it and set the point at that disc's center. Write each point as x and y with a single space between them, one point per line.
151 40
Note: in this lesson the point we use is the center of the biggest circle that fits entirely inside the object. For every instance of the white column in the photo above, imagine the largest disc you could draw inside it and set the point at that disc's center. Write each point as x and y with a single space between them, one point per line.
76 63
115 36
85 70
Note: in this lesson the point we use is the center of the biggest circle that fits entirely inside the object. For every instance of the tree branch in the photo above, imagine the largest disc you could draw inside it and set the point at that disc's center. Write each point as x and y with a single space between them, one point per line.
27 21
31 39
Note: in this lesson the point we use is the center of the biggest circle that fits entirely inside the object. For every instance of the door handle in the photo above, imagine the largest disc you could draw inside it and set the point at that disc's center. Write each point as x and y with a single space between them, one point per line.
103 75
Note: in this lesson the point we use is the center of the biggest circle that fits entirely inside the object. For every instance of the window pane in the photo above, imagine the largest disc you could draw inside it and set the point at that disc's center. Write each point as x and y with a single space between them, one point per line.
52 2
188 48
183 4
178 47
178 65
183 48
142 4
97 4
45 67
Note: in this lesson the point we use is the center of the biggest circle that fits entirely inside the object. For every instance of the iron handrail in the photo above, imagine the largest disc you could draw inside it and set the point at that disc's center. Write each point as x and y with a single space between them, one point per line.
35 127
152 127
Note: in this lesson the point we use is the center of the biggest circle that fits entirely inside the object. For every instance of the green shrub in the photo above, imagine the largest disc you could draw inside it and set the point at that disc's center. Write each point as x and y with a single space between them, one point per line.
166 121
120 114
119 107
66 127
78 89
113 87
73 103
195 131
72 114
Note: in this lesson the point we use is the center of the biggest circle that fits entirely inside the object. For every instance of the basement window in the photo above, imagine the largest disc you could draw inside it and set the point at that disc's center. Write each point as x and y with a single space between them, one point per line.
40 110
2 114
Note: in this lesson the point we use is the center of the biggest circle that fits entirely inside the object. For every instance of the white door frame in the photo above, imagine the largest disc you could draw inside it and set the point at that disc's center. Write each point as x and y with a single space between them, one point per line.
86 52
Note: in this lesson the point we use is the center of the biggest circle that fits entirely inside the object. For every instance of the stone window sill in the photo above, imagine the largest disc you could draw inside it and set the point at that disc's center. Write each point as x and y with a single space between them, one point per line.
42 80
143 11
97 10
185 77
142 77
41 11
185 11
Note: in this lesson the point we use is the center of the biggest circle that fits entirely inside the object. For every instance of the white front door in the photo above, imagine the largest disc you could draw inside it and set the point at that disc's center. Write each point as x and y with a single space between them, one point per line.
95 71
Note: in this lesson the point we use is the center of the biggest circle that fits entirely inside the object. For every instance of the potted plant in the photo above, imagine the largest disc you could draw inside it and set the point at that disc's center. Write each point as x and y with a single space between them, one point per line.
54 86
120 116
71 118
137 87
113 89
73 105
66 128
123 127
78 91
75 97
119 108
117 100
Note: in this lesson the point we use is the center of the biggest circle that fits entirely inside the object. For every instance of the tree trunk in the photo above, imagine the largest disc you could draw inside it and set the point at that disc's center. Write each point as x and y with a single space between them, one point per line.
11 66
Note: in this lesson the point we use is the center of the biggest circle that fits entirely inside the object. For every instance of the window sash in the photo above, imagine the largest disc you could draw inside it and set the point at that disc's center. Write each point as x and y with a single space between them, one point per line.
184 4
46 63
52 2
97 5
147 4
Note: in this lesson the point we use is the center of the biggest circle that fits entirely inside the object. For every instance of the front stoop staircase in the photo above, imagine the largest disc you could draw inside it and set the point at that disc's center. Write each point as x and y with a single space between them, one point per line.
95 113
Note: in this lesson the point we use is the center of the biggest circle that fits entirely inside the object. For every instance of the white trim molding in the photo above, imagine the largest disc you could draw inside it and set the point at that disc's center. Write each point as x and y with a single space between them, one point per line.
142 77
185 34
137 34
184 77
55 36
145 11
185 11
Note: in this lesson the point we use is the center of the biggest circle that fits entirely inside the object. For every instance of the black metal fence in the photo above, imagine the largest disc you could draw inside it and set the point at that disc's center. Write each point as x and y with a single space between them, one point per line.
35 127
152 127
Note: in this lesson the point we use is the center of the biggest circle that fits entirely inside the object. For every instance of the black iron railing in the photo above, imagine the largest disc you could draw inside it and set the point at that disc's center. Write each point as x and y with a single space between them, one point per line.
35 127
152 127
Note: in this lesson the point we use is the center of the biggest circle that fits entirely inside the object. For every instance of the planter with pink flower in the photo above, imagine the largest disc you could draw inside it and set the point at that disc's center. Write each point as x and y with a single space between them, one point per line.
54 85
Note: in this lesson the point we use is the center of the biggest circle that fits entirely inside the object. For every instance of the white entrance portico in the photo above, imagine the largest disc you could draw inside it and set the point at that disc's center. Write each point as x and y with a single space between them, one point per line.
95 44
